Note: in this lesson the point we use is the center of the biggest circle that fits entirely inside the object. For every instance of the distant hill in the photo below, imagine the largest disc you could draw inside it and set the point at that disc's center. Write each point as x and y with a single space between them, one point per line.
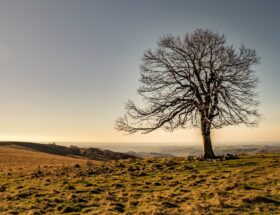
71 151
184 151
47 148
125 152
150 154
98 154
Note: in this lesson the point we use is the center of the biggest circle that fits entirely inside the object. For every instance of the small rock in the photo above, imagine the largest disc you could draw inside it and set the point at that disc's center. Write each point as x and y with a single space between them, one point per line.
192 158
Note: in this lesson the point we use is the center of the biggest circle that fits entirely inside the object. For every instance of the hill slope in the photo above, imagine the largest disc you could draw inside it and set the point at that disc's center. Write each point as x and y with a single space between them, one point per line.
147 186
72 151
16 158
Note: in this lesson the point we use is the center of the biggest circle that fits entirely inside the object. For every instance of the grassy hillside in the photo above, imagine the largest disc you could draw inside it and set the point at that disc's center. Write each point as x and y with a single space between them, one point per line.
19 159
250 185
71 151
47 148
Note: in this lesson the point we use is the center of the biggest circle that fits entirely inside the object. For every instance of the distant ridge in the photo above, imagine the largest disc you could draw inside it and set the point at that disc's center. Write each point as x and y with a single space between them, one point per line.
96 153
47 148
72 151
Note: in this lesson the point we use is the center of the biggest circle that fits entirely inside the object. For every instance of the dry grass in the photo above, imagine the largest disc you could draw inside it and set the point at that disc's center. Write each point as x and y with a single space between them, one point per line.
250 185
18 159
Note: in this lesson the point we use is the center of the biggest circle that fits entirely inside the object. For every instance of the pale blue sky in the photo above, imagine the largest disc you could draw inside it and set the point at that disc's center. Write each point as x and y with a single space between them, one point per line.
68 66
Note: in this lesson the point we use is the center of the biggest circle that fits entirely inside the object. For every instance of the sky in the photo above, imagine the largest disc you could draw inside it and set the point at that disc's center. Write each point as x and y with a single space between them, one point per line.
68 67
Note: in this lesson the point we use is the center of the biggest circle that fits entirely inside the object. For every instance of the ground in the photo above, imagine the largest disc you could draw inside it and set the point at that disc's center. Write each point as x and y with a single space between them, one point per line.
39 183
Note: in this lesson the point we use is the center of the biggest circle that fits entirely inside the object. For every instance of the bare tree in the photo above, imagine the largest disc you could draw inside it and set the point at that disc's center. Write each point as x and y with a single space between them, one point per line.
197 81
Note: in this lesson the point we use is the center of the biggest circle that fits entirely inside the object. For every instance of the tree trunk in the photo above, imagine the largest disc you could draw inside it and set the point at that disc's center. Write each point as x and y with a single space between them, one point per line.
208 152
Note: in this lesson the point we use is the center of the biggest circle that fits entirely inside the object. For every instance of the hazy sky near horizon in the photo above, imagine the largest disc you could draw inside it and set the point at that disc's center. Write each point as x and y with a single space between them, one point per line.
67 67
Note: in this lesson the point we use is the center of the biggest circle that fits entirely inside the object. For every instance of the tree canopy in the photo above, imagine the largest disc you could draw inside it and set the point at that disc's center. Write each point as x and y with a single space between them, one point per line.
195 81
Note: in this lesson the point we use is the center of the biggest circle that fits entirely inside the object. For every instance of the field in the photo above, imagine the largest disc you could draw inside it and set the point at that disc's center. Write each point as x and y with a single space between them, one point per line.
40 183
